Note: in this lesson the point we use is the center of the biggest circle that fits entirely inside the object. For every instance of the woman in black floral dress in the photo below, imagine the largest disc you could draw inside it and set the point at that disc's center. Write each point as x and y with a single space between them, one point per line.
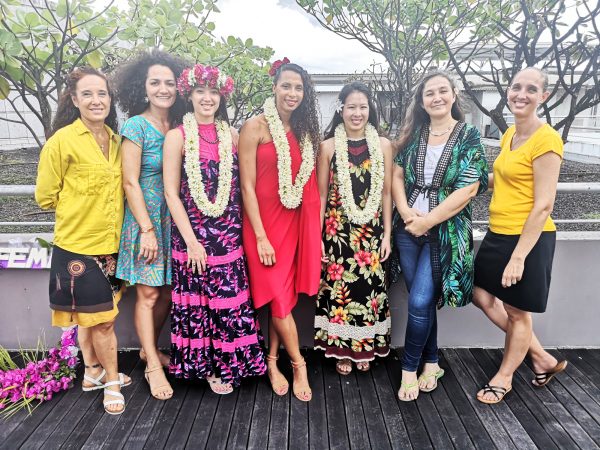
352 321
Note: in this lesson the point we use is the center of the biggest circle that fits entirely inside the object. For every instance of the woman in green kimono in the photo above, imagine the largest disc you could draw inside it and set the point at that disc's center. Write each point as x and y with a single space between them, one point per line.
439 168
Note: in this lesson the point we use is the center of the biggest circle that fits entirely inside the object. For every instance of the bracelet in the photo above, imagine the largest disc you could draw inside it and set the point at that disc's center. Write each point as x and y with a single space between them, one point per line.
146 229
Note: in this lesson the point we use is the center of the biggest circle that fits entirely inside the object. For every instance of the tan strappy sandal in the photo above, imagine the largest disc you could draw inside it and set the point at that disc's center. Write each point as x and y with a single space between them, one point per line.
280 388
159 393
302 392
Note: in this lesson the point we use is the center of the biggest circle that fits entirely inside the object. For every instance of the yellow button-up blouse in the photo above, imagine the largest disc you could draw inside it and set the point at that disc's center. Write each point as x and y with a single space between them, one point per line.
84 187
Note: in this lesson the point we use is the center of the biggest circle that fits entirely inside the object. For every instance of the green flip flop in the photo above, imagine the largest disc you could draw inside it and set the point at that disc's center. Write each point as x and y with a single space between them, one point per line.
425 377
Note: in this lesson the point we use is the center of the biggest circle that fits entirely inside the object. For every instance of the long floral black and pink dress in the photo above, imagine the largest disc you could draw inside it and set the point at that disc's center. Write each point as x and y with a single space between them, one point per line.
214 330
352 318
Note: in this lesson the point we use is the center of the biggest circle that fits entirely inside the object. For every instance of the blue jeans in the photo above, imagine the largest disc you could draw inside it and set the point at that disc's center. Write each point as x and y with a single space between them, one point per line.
420 342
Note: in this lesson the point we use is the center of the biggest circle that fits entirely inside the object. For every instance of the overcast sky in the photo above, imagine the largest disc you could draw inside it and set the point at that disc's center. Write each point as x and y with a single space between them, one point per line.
287 29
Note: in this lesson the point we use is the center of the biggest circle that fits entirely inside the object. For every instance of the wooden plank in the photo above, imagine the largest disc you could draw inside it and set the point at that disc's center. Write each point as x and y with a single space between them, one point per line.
417 432
238 435
485 413
60 413
88 410
355 416
508 420
587 365
469 418
187 414
223 421
451 421
318 438
204 420
334 404
526 411
280 418
169 415
298 428
578 382
113 431
8 425
372 410
387 396
261 416
553 417
585 420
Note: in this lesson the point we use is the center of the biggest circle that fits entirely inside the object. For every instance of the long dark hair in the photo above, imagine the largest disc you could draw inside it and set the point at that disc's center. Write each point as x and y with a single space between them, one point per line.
355 86
67 113
304 120
130 83
416 117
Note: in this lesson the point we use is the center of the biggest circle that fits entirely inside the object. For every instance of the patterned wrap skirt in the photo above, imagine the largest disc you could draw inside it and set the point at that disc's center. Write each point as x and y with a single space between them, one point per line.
529 294
83 289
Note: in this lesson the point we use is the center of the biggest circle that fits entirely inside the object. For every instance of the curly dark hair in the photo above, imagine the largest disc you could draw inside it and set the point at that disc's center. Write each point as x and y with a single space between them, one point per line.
355 86
130 82
304 120
416 117
67 113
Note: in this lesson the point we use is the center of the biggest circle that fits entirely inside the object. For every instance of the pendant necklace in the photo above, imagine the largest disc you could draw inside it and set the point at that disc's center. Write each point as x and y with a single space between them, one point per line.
440 133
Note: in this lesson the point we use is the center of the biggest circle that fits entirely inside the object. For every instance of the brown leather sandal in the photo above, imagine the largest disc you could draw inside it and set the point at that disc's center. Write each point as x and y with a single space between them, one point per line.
281 388
302 392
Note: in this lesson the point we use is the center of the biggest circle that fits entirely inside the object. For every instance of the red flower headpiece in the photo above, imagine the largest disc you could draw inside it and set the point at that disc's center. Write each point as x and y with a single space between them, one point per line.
200 75
277 64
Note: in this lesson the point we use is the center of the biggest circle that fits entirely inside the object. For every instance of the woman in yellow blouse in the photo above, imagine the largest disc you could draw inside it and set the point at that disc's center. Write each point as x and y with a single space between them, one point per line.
514 263
79 175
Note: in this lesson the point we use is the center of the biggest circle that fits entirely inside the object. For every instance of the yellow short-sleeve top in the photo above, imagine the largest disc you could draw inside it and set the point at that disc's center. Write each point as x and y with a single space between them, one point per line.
512 200
84 188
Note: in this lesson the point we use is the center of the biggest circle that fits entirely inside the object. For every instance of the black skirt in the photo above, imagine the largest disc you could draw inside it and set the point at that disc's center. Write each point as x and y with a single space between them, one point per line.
82 283
529 294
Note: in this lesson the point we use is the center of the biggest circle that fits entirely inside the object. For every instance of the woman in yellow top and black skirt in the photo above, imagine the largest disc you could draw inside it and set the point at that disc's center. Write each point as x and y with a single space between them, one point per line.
79 175
514 263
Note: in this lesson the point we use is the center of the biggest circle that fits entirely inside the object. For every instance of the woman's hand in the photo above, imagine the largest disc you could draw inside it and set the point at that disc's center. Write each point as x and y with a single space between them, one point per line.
266 253
196 257
324 257
386 249
407 213
148 247
417 225
513 272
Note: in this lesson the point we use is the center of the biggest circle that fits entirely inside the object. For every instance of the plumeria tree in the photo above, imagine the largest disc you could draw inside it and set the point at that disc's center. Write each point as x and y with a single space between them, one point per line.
39 45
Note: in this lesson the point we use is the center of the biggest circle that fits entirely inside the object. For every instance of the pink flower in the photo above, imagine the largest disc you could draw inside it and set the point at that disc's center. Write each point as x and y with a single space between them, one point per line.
331 226
335 271
362 258
375 305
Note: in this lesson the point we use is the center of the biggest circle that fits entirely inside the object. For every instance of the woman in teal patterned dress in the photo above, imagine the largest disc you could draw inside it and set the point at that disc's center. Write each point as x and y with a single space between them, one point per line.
147 92
352 320
440 166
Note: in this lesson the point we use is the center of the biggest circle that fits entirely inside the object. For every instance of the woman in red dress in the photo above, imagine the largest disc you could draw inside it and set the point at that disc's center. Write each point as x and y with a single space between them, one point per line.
281 228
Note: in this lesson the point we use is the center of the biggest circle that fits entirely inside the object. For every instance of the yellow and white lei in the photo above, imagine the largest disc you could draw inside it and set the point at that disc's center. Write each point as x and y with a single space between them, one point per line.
194 173
290 193
353 212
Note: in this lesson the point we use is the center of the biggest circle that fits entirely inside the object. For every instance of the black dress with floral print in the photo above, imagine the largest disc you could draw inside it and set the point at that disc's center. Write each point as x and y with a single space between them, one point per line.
352 318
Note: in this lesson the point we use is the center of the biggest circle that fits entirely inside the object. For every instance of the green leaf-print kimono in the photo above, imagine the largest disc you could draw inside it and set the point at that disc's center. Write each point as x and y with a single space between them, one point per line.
462 163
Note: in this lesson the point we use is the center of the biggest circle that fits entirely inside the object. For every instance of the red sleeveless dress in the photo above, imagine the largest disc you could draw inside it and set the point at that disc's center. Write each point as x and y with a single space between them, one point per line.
295 235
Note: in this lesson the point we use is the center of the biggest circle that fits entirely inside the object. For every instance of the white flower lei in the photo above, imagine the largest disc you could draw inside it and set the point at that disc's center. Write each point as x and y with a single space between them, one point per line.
194 173
290 193
353 212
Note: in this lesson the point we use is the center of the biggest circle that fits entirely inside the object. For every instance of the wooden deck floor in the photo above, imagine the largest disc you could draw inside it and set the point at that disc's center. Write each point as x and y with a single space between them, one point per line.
359 411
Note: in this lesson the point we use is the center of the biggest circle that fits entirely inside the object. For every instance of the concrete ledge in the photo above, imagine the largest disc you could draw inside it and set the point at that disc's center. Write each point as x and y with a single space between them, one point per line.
570 321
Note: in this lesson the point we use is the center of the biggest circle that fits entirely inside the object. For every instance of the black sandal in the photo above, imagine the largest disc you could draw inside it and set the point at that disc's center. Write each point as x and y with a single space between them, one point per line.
498 391
542 379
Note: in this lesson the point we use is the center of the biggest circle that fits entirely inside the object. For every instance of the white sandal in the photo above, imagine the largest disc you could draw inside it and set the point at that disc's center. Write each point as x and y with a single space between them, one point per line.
97 384
119 401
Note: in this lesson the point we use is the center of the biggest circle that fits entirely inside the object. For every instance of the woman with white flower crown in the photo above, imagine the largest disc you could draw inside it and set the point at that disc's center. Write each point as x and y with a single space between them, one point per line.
214 332
281 212
352 322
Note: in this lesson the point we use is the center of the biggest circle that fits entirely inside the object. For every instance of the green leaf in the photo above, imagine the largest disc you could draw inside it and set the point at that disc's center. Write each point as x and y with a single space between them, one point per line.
231 41
4 88
94 59
99 31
